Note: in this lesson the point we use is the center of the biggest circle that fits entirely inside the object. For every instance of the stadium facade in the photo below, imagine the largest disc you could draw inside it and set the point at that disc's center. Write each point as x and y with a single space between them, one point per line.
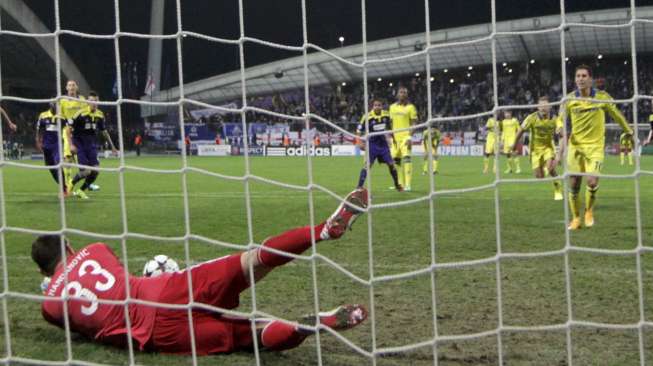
586 34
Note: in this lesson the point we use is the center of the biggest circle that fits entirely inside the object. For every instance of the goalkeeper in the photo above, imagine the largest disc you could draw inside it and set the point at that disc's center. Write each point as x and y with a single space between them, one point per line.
95 273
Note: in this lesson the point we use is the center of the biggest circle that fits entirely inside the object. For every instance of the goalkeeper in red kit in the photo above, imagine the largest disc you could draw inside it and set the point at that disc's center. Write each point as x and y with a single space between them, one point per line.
94 273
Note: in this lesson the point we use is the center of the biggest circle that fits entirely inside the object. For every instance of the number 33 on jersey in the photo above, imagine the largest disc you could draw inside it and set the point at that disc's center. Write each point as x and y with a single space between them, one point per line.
94 273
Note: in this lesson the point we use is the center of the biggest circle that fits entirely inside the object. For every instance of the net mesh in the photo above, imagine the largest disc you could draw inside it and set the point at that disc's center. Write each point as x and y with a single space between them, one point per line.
373 280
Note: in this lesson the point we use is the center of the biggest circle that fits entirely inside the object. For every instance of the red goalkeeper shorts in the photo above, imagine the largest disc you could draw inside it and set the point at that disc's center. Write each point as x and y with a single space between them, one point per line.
217 283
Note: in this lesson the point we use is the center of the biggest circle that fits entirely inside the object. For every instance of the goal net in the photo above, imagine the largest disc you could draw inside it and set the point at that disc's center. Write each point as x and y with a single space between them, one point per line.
445 288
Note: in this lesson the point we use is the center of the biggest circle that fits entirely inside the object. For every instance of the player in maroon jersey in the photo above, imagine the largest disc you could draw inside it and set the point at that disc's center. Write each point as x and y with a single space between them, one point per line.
94 273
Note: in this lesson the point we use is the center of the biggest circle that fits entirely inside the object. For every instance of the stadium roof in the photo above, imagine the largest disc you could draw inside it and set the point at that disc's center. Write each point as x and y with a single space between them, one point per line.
586 34
28 62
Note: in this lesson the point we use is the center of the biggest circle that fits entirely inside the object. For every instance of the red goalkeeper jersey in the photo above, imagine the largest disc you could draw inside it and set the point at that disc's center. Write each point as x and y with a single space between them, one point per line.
95 273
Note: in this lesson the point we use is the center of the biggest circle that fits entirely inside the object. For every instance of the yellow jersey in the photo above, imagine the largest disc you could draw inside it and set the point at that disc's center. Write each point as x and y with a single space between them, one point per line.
69 108
541 129
509 128
588 118
431 135
626 141
402 116
489 126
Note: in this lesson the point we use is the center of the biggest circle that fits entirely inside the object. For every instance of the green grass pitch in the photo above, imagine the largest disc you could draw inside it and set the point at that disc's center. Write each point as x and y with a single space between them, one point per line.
604 288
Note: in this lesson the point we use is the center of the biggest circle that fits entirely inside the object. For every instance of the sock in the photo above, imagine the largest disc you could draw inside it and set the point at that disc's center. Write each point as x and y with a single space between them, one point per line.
425 166
556 185
279 336
400 172
362 177
55 174
435 165
574 204
486 163
590 197
621 157
89 180
294 241
393 173
509 164
78 177
515 162
630 158
408 172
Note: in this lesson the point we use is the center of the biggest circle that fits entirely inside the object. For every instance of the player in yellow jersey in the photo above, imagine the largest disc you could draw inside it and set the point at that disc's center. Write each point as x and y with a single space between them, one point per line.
490 143
587 141
542 127
509 128
404 115
430 141
626 148
68 108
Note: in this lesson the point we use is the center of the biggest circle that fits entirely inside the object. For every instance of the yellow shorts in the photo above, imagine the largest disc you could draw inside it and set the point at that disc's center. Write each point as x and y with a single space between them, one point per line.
401 147
489 145
540 156
585 159
434 150
508 145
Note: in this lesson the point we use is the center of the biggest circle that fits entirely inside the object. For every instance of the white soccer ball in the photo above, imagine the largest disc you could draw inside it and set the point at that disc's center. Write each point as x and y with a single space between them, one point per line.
158 265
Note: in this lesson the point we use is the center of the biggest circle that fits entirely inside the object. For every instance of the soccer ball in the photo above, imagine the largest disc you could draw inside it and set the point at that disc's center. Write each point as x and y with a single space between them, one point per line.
158 265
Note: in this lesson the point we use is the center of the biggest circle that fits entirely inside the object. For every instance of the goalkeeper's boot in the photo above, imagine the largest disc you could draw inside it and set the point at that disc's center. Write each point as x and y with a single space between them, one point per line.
341 318
345 215
574 224
93 187
79 193
589 218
